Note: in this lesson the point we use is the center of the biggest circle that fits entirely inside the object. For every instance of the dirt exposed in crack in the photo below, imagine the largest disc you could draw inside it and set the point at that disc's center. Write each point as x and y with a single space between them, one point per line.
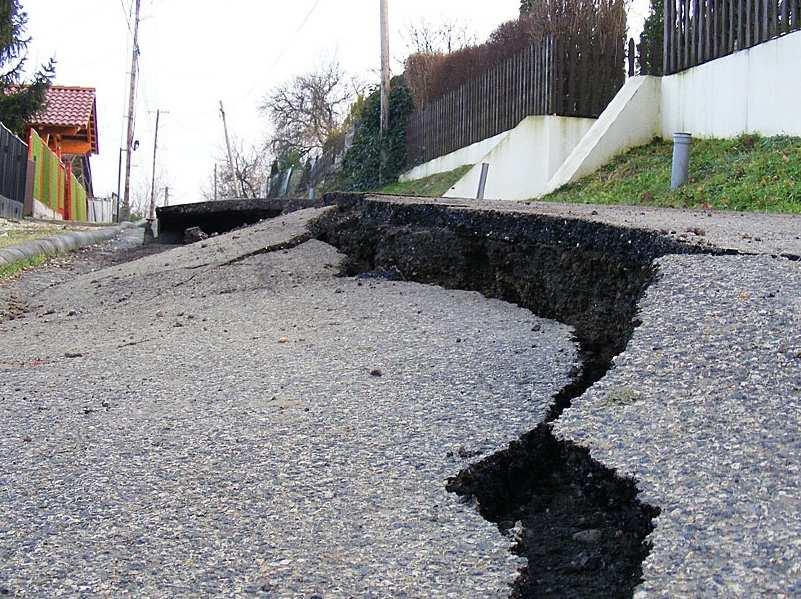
583 528
584 531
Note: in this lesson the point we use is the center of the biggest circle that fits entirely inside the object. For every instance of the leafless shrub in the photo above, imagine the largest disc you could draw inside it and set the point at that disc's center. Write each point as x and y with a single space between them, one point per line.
310 108
590 36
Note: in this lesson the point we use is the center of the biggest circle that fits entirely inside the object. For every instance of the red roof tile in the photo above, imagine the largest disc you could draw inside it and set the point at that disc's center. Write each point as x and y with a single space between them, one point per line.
67 107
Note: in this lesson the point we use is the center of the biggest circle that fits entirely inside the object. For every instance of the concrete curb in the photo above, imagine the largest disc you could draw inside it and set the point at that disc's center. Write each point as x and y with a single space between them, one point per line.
57 244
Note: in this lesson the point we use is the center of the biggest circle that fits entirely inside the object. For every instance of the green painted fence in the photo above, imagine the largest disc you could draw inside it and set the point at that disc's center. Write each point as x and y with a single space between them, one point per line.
54 185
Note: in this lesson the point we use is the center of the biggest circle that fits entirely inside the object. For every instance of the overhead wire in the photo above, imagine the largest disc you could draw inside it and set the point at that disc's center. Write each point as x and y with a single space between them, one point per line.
288 46
300 28
127 14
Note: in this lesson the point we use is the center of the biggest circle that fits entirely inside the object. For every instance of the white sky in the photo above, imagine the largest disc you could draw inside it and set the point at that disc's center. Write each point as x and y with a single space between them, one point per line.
194 54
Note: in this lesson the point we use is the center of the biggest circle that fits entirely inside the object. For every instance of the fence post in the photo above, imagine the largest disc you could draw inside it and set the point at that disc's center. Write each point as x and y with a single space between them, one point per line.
666 38
482 181
631 57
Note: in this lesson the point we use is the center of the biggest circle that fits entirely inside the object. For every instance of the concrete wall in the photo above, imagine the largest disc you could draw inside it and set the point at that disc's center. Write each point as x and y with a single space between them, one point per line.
631 119
752 91
444 164
525 159
41 211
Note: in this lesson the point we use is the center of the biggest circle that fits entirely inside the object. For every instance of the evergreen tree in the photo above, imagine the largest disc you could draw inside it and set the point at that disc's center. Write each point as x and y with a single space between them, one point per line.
19 100
362 162
651 48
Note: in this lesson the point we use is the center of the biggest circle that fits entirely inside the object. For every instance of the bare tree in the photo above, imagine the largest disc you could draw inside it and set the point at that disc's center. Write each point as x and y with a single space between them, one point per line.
449 35
252 166
310 108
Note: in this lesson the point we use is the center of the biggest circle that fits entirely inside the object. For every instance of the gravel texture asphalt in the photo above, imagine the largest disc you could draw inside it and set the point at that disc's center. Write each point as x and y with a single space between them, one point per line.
231 418
749 233
704 410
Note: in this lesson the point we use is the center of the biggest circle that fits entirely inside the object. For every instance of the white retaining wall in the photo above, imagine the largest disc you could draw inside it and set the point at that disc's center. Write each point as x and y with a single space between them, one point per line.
631 119
752 91
525 159
444 164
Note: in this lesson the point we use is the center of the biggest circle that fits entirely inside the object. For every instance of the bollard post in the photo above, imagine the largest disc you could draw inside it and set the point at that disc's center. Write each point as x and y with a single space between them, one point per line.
482 182
682 143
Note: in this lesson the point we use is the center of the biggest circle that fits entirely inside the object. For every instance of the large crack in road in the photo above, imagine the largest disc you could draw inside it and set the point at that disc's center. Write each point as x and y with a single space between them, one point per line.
584 531
237 418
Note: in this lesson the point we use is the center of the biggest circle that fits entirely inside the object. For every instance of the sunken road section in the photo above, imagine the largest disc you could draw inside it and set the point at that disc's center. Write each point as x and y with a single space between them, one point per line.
222 217
584 531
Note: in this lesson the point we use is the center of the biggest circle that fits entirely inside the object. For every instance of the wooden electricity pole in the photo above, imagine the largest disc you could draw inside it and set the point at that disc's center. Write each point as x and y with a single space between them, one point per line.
385 82
215 181
385 76
230 155
132 107
151 214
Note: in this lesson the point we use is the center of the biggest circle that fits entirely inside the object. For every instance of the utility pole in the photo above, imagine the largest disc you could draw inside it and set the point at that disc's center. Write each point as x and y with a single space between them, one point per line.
131 106
230 155
151 215
215 181
385 75
385 83
119 183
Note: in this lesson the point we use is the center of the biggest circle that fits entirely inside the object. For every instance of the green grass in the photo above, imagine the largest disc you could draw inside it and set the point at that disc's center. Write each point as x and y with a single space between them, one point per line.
434 186
17 236
748 173
9 270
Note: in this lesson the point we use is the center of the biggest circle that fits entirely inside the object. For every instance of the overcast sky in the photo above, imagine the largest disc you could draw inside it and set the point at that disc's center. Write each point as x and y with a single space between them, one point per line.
193 57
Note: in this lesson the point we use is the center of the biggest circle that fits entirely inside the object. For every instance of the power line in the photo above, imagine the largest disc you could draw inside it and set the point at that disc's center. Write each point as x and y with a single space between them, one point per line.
288 46
127 16
300 28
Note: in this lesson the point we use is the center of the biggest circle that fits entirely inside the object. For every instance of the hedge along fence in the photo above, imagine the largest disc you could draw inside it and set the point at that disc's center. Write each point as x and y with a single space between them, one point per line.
697 31
574 67
54 185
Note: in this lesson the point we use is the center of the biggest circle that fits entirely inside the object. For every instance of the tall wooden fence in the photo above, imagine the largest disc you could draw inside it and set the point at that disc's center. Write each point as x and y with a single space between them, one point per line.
550 77
697 31
13 173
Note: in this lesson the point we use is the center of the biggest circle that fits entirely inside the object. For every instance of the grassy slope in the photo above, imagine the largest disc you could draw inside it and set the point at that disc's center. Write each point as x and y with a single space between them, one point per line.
747 173
434 186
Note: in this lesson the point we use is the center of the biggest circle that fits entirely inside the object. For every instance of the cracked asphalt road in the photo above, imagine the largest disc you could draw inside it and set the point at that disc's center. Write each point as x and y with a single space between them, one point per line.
232 418
703 409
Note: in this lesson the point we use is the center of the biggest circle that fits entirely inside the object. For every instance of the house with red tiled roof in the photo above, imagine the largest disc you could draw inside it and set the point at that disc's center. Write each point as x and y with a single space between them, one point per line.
68 124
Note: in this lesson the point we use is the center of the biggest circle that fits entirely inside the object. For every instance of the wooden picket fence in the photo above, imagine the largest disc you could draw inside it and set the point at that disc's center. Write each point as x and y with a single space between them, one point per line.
697 31
551 77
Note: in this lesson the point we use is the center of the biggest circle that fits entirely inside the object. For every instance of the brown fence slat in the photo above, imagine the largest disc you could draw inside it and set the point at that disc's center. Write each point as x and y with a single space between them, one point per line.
697 31
543 79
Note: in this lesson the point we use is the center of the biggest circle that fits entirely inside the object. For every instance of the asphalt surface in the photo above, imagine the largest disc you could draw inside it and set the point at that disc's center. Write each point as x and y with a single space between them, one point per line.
703 409
232 418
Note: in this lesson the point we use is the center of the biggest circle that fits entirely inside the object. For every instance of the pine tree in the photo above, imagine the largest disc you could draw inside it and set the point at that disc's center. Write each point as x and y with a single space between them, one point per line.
19 100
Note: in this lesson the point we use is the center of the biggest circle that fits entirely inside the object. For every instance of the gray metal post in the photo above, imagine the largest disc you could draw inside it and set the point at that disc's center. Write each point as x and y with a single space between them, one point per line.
682 143
482 182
